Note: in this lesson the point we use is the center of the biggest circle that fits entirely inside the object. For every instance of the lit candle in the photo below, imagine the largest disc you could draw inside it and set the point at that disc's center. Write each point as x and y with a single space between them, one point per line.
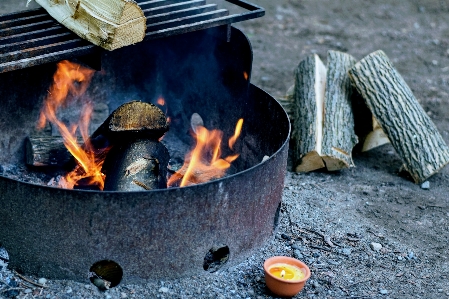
286 271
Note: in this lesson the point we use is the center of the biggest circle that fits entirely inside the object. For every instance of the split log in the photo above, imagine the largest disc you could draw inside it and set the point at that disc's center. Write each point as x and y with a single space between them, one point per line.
47 151
136 166
310 82
110 24
323 120
338 127
410 130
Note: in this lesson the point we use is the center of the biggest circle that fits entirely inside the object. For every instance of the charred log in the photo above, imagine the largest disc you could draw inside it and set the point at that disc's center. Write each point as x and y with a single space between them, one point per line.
47 151
133 120
411 132
136 166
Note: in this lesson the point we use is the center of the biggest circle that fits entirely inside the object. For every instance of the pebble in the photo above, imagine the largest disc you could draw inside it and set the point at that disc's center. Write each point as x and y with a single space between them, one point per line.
383 292
400 258
27 291
69 290
163 290
346 251
108 296
411 255
425 185
123 295
375 246
297 254
286 237
42 281
296 246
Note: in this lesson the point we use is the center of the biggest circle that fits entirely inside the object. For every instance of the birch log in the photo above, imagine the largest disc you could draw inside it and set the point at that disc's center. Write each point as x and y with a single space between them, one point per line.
110 24
338 127
411 132
310 82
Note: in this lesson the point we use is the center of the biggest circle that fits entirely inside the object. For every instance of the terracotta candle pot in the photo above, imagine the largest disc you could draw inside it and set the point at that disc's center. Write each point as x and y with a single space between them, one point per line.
285 276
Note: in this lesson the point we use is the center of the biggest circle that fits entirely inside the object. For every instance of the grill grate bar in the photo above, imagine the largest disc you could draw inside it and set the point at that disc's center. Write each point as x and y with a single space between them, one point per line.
32 37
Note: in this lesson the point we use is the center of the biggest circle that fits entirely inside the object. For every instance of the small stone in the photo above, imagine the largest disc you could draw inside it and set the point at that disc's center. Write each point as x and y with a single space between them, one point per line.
315 284
346 251
87 286
316 254
297 254
400 258
163 290
434 62
69 290
42 281
425 185
383 292
375 246
296 247
286 237
123 295
27 291
411 255
108 296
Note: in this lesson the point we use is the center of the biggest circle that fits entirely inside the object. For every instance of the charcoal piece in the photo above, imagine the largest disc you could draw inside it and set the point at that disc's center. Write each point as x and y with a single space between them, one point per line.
136 166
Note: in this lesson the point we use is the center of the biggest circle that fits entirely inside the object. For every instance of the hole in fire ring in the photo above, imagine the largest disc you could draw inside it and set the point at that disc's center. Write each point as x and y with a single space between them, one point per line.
216 258
105 274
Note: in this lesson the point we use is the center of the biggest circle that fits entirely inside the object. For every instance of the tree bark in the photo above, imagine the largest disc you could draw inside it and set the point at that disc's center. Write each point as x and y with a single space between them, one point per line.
47 151
411 132
110 24
310 80
338 128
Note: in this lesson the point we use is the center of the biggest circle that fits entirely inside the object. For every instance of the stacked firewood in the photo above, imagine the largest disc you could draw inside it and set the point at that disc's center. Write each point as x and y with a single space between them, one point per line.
335 107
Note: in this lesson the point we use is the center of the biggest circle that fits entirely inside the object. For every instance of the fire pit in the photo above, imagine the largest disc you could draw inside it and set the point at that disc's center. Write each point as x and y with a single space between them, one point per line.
59 233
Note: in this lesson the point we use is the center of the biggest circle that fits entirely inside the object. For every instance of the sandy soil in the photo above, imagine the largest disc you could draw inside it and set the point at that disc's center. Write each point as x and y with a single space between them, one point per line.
371 202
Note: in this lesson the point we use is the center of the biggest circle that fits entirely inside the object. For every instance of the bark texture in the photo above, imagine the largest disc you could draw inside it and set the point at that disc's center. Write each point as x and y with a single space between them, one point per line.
110 24
305 134
411 132
338 127
47 151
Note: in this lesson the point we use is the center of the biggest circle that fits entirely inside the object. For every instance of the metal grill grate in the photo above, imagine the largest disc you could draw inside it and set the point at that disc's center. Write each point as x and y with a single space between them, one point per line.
32 37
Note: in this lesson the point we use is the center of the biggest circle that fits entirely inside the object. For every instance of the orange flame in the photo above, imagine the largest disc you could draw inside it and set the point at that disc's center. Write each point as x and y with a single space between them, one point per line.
203 163
245 75
71 80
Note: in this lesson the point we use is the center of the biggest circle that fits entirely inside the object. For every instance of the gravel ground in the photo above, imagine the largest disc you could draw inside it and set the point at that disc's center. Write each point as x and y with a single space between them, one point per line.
366 232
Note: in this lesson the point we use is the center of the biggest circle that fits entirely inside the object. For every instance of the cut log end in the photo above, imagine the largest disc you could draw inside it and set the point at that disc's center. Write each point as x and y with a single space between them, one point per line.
310 162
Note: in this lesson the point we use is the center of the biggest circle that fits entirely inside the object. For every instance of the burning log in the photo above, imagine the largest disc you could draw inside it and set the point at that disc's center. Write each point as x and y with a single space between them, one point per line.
109 24
411 132
47 151
323 120
137 160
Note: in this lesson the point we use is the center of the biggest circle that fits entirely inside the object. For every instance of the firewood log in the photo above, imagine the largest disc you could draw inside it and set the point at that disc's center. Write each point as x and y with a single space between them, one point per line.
310 82
133 119
323 121
47 151
410 130
110 24
136 166
338 127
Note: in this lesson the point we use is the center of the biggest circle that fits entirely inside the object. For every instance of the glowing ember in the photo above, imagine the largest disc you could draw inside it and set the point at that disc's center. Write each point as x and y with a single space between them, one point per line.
204 163
71 82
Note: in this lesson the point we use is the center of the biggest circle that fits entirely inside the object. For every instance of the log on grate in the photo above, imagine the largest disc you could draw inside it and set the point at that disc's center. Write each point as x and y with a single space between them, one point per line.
32 37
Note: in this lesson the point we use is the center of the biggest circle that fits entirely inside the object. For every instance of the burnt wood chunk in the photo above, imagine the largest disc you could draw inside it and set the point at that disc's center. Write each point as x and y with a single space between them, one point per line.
47 151
134 119
411 132
136 166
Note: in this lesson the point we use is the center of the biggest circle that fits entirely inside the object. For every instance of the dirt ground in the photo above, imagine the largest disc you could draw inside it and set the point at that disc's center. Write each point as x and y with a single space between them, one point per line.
380 205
